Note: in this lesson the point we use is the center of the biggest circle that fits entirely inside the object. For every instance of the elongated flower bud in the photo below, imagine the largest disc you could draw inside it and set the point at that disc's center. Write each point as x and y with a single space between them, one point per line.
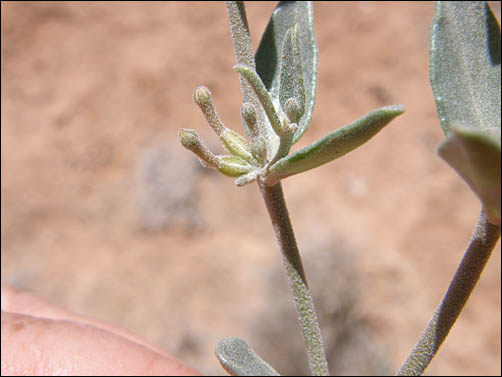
248 112
233 166
202 97
191 141
237 145
259 149
258 145
291 108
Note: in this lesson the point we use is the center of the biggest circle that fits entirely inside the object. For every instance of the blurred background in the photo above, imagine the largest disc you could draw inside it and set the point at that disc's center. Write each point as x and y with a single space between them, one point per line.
105 214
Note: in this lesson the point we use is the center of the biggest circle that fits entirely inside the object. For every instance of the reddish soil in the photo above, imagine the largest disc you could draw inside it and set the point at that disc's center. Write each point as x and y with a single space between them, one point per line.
103 213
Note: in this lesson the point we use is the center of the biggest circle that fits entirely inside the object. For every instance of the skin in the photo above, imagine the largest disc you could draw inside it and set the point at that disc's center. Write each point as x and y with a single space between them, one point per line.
39 339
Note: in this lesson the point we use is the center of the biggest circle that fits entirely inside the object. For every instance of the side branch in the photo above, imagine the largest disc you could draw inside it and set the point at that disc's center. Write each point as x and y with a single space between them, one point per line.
483 241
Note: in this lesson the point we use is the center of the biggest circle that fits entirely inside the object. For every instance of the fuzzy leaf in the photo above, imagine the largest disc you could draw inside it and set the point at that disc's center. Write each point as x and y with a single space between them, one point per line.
238 358
334 145
475 155
291 79
465 64
269 53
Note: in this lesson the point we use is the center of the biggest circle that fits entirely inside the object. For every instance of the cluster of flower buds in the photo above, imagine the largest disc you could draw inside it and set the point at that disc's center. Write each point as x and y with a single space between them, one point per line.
282 117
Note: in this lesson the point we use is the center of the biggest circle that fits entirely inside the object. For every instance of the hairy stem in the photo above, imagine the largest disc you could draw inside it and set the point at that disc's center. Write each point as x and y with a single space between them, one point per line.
240 33
483 241
274 200
245 57
243 51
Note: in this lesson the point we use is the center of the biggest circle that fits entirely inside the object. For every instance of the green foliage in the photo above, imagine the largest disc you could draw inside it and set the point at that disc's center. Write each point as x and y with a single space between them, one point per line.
238 358
475 155
465 64
301 64
291 86
334 145
282 88
279 86
465 79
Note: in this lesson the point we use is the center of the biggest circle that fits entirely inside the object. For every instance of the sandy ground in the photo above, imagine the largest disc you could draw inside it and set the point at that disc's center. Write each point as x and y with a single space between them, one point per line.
103 213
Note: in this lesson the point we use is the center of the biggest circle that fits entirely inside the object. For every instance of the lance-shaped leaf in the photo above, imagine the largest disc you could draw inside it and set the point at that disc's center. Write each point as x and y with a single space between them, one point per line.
465 64
334 145
475 155
269 54
238 358
291 81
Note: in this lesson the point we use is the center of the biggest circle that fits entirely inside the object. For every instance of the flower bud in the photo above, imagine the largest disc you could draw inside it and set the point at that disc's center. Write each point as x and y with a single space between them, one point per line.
191 141
233 166
237 145
248 112
202 97
291 108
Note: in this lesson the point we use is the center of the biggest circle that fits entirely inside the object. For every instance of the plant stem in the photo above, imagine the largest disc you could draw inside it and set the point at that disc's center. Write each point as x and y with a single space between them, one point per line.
483 241
243 51
274 200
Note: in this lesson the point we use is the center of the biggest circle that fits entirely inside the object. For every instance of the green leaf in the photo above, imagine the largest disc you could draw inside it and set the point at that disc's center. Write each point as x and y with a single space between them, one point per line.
269 54
475 155
465 64
238 358
465 80
334 145
291 79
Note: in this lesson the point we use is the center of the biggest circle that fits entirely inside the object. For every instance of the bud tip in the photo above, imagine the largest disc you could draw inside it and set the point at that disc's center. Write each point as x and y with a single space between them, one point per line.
201 95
